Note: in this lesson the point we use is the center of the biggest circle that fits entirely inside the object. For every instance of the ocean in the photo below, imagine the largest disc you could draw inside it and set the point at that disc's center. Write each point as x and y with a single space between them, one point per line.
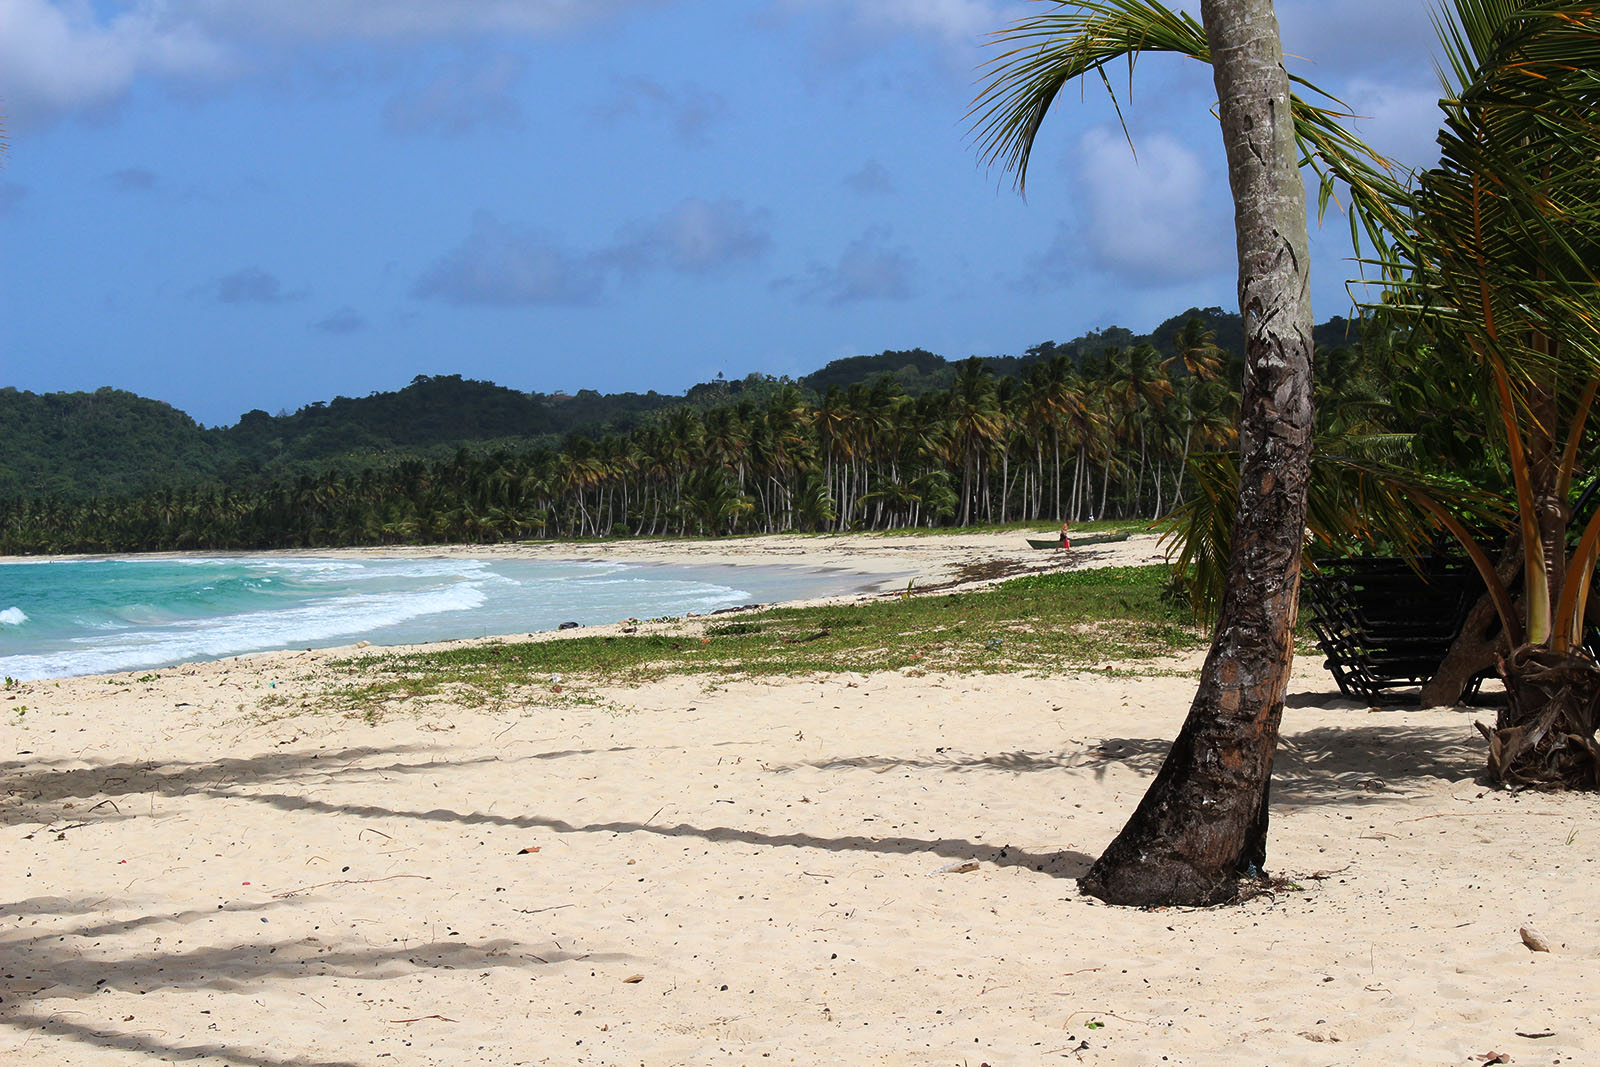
97 616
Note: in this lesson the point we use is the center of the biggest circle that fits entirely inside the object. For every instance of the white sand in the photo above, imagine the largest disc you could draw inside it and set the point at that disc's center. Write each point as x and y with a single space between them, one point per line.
189 870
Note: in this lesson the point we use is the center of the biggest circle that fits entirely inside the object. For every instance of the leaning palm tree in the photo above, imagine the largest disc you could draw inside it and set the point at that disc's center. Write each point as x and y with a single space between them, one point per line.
1202 824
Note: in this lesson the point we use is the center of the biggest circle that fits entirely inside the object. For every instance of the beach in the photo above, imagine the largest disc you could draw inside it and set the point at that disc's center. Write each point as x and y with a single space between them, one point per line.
875 868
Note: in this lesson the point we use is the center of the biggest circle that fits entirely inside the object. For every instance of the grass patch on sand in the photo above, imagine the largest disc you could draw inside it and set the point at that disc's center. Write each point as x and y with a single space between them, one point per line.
1043 623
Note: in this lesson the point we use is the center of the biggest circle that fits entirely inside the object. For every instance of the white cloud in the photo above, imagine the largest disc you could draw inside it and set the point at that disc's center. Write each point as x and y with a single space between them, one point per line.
869 268
872 178
250 285
914 38
59 57
1162 218
1378 56
1333 40
510 266
956 20
395 19
463 96
688 109
1401 122
962 21
695 237
341 321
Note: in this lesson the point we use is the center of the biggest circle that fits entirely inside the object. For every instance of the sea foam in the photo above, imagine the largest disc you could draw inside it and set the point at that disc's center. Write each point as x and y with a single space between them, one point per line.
115 614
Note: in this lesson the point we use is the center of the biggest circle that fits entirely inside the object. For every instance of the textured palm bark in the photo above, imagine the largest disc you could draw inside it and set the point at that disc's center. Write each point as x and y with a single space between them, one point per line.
1203 823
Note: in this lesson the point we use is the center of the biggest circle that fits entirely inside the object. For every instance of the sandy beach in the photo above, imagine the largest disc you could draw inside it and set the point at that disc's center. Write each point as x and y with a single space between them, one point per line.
202 863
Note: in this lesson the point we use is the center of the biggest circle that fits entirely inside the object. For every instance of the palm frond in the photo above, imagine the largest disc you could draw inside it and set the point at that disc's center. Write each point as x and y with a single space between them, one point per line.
1363 494
1044 52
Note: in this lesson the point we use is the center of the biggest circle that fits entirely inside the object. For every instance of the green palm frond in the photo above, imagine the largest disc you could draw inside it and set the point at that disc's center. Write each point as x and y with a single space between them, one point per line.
1043 53
1503 256
1047 51
1363 494
1504 246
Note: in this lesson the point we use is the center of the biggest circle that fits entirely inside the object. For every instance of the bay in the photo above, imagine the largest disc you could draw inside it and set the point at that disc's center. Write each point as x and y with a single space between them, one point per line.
60 618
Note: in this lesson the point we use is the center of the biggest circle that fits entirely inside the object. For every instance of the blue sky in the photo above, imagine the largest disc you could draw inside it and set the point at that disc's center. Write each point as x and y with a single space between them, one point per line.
233 204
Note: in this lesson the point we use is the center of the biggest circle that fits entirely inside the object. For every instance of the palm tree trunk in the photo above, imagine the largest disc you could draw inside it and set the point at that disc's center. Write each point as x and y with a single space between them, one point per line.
1074 507
1155 481
1105 478
1055 434
1144 461
1005 474
966 485
1183 465
1203 823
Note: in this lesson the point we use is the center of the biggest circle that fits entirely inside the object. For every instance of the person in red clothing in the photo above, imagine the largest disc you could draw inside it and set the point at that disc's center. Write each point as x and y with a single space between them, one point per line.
1066 542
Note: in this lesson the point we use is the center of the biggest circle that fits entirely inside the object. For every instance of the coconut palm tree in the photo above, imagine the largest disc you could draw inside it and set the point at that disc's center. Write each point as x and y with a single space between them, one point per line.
1140 391
1198 350
976 420
1202 825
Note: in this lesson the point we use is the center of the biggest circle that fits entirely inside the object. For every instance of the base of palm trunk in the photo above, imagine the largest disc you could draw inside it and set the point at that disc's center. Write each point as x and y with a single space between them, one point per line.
1199 832
1545 736
1164 882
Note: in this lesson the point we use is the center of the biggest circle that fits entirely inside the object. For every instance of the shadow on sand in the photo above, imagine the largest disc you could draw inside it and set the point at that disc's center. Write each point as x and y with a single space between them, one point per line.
1365 764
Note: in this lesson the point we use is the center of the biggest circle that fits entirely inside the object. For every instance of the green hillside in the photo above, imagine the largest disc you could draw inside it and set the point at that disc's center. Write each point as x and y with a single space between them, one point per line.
105 442
76 446
432 413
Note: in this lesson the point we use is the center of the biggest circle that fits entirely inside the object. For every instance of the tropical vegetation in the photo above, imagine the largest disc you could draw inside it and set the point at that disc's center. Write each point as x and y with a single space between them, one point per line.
1103 426
1489 262
1105 619
1495 252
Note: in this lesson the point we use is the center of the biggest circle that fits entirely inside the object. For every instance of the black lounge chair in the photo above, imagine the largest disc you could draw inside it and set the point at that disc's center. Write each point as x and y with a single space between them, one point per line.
1385 625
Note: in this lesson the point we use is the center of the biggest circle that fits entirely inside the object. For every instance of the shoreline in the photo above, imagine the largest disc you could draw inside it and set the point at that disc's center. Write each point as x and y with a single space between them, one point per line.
875 868
860 552
883 563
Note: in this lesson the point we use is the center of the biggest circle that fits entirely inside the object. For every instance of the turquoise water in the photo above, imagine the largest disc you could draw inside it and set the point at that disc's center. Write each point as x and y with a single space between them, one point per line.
70 617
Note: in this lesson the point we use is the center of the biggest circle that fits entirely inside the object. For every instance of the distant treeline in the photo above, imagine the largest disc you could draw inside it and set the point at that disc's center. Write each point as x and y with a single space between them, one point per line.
1065 432
110 442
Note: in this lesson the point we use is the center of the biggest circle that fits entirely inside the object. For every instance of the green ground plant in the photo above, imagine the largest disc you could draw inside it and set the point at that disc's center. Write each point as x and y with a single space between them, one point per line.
1068 620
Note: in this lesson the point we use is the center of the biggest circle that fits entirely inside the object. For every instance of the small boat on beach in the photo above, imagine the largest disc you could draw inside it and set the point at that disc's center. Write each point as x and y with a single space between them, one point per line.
1077 542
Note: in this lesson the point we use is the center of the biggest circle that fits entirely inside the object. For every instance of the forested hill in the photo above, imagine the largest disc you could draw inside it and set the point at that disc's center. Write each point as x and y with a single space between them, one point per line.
430 413
917 371
111 442
100 443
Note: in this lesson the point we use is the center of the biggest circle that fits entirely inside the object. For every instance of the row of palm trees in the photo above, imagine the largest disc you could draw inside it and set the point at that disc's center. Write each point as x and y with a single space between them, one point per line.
1103 436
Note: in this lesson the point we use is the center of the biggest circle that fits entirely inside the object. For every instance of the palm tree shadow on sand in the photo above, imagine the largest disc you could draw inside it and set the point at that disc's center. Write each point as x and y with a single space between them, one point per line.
1363 765
1367 764
46 964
